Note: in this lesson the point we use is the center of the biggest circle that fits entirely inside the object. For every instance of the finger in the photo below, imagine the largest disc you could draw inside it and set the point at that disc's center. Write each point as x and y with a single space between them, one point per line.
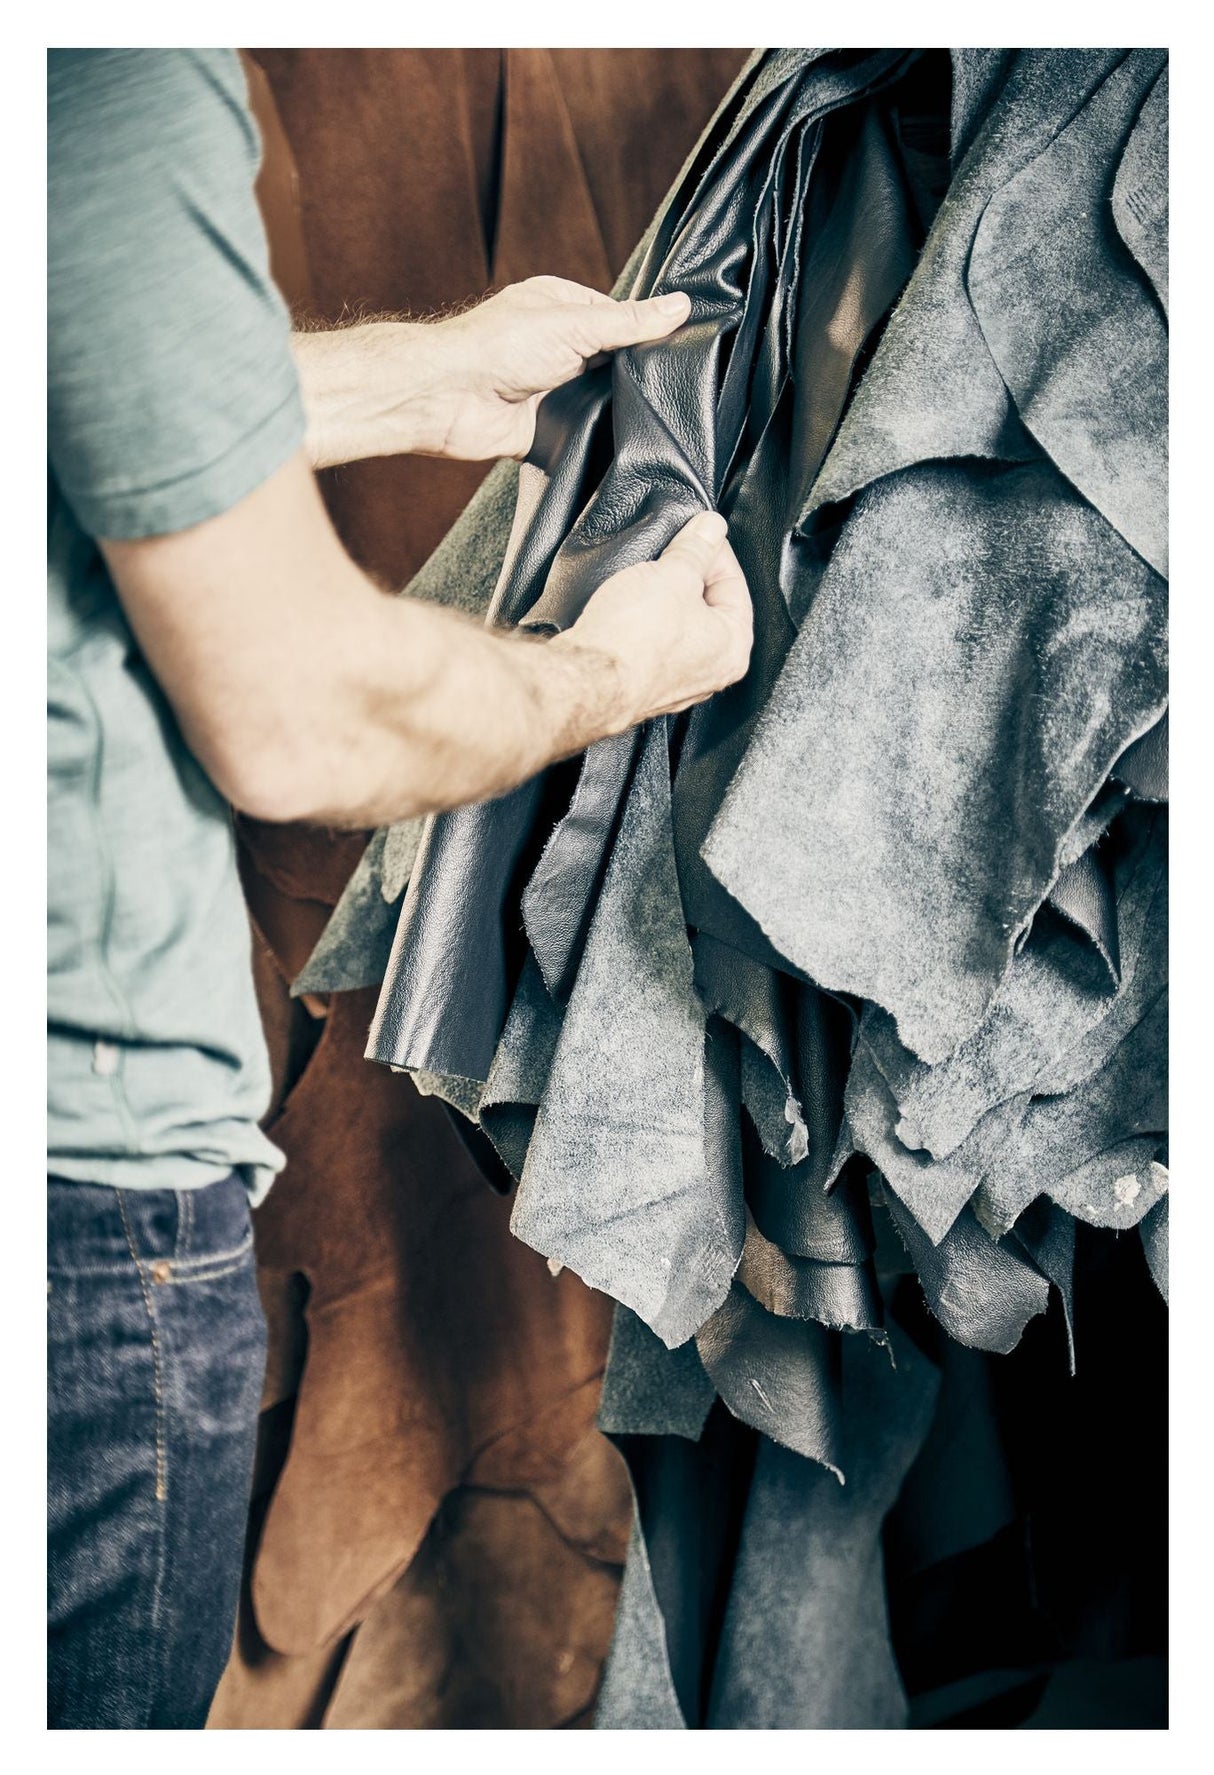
696 547
725 586
610 326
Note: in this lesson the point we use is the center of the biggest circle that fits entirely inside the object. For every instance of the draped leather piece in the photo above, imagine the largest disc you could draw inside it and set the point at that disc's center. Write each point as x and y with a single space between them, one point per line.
898 900
439 1529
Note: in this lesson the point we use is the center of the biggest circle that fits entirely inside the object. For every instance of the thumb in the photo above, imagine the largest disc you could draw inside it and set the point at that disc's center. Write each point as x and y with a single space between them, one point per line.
697 545
608 326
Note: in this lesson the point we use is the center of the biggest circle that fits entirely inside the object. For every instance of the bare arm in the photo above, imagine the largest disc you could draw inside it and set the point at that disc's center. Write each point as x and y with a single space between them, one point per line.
308 694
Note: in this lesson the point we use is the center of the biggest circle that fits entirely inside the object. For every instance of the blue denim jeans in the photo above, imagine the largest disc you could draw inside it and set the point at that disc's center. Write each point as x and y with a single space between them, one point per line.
156 1355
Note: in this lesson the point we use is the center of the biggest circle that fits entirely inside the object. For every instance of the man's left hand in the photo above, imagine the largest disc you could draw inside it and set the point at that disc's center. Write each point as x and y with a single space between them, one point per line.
469 386
497 361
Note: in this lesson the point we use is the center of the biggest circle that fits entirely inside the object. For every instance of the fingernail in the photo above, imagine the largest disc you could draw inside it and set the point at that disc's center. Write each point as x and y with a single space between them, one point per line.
676 304
711 526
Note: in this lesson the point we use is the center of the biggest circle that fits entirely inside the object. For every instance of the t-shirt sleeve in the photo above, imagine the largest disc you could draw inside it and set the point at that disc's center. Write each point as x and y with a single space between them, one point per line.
171 390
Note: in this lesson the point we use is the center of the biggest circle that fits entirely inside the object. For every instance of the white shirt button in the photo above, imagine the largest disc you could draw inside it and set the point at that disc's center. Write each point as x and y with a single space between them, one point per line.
105 1059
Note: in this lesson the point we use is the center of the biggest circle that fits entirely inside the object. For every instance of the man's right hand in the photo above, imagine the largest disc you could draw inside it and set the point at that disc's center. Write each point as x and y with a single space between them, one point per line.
673 630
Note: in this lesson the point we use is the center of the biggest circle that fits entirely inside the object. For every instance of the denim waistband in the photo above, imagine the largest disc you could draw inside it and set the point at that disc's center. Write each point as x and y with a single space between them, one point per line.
93 1226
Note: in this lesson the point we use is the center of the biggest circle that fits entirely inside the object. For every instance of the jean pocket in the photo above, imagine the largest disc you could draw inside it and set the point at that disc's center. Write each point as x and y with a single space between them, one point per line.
202 1266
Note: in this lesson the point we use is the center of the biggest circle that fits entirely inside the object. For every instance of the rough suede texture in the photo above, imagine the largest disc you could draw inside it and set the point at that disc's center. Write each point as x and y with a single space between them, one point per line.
1055 994
654 1226
919 913
807 1578
901 812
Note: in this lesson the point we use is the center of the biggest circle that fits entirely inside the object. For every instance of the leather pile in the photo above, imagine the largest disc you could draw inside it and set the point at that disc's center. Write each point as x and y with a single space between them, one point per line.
856 973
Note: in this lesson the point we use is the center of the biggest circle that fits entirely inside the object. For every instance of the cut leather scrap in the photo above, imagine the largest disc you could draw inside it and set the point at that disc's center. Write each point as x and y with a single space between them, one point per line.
1092 823
767 1095
859 249
843 1296
498 1623
354 947
559 897
401 844
1143 766
793 1208
782 1376
958 1493
1140 988
1083 895
661 474
1090 1149
1153 1231
804 1572
980 1290
638 1692
584 1493
1051 227
357 939
809 1571
657 1226
1047 1233
448 986
648 1389
1118 1188
462 1095
932 389
375 1448
1140 190
795 1049
1056 998
515 1086
935 1191
917 905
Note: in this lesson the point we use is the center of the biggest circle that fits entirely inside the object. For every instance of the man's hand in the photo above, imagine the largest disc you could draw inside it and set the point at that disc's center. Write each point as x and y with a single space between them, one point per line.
497 361
467 387
672 630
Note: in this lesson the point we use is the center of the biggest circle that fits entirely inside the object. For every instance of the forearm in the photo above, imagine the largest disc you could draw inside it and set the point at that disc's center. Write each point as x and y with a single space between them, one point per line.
307 694
434 711
370 390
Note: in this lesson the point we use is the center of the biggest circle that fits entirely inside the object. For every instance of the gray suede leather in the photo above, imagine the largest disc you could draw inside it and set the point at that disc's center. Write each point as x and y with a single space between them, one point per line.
654 1224
1055 995
355 944
898 900
902 810
804 1638
1153 1231
809 1574
910 803
650 1390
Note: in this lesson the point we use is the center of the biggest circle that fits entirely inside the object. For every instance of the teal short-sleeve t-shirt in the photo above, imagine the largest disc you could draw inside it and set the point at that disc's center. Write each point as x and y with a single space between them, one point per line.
171 394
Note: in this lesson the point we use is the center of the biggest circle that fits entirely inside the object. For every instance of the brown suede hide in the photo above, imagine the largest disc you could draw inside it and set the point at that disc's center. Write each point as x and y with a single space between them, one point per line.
437 1527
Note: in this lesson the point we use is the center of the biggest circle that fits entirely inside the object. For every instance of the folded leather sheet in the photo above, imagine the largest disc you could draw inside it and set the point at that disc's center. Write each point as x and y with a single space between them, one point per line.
439 1529
858 970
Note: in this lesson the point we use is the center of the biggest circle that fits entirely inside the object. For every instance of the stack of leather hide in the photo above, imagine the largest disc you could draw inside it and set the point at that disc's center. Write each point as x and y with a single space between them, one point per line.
843 997
438 1528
